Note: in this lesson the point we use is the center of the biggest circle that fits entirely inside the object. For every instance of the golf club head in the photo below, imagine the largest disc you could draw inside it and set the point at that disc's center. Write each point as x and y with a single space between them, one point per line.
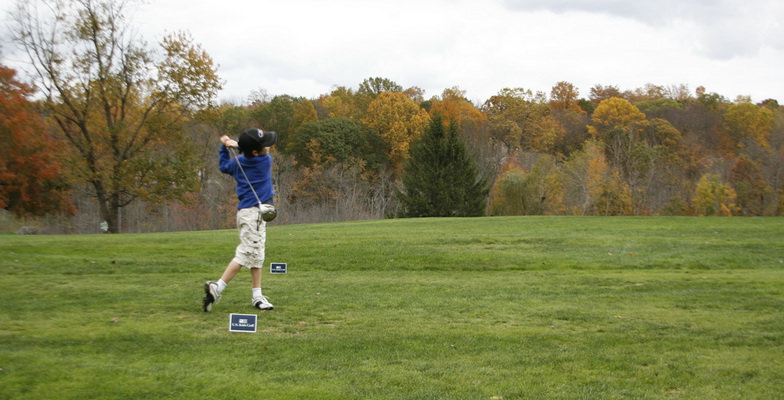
268 213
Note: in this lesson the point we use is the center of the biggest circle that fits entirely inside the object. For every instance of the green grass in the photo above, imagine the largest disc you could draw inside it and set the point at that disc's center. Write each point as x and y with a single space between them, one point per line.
484 308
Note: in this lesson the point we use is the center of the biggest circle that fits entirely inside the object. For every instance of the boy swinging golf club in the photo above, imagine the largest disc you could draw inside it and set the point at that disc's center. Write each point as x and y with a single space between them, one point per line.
252 171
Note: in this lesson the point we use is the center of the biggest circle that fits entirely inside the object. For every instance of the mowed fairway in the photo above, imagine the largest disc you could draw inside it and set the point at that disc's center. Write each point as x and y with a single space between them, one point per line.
480 308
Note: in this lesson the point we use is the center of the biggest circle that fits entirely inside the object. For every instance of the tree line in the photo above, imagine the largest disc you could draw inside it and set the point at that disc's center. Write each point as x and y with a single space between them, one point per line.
112 131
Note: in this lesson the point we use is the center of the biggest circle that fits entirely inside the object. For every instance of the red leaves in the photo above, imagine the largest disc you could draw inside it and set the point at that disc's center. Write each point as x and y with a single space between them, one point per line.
30 172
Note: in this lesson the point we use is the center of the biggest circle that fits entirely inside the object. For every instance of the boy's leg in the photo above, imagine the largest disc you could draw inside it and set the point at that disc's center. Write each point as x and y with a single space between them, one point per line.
259 301
252 236
255 277
231 271
212 290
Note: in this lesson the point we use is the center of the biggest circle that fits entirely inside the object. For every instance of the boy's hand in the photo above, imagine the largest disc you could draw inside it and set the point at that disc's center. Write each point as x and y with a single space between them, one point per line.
229 142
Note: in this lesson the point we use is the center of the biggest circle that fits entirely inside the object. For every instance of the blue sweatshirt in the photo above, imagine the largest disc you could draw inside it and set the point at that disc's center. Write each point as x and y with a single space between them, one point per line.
259 171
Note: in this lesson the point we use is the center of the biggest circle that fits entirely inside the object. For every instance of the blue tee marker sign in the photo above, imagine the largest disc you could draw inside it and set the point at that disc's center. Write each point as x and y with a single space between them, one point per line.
242 323
277 268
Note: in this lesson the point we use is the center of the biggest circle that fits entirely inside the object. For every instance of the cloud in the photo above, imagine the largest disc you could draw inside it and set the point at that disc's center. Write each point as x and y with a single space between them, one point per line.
720 29
307 47
651 12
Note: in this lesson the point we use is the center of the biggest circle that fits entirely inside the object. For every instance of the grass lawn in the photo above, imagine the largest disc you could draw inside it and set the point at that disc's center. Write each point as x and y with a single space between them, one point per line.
469 308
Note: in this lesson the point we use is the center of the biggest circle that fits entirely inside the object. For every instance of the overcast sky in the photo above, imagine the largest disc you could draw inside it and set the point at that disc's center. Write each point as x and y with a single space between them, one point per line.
308 47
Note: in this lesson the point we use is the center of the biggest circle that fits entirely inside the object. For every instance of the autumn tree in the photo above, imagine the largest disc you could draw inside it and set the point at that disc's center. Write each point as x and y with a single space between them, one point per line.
119 107
335 140
713 196
574 131
415 93
600 93
304 112
453 106
658 172
399 120
679 92
518 191
772 104
502 111
233 119
283 114
649 92
746 122
546 134
701 120
590 186
614 196
375 86
508 194
579 177
567 122
31 183
521 120
750 186
711 100
660 108
441 179
565 97
342 102
371 88
618 124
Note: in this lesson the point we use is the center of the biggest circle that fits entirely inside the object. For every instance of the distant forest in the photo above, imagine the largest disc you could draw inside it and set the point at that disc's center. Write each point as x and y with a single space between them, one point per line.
654 150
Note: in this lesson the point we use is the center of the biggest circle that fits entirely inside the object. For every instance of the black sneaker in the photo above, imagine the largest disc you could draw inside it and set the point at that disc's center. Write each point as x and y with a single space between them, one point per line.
211 296
261 303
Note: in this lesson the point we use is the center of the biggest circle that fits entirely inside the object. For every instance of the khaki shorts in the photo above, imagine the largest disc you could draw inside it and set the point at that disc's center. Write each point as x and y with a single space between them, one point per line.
253 235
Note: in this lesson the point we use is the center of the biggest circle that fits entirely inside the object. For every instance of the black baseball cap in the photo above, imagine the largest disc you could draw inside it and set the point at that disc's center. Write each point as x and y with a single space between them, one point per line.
256 139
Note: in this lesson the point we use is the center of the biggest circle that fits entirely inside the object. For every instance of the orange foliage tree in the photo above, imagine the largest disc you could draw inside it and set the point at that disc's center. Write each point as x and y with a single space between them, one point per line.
30 180
454 107
565 97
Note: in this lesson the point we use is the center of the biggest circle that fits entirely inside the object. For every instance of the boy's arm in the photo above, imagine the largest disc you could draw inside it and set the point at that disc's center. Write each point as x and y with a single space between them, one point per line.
225 163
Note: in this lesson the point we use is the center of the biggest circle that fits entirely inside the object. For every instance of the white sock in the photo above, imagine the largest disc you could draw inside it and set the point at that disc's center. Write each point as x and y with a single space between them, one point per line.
257 292
221 285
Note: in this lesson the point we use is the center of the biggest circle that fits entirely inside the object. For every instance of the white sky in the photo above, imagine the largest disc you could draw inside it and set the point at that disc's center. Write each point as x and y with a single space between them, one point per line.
308 47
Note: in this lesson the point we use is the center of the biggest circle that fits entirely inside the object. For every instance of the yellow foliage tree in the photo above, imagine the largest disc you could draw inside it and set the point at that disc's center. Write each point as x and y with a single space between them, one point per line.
304 112
616 114
513 115
341 103
714 197
545 133
399 121
746 121
613 196
618 124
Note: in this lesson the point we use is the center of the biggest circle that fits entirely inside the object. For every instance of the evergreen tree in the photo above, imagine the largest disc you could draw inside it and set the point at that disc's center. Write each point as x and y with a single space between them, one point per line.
440 178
